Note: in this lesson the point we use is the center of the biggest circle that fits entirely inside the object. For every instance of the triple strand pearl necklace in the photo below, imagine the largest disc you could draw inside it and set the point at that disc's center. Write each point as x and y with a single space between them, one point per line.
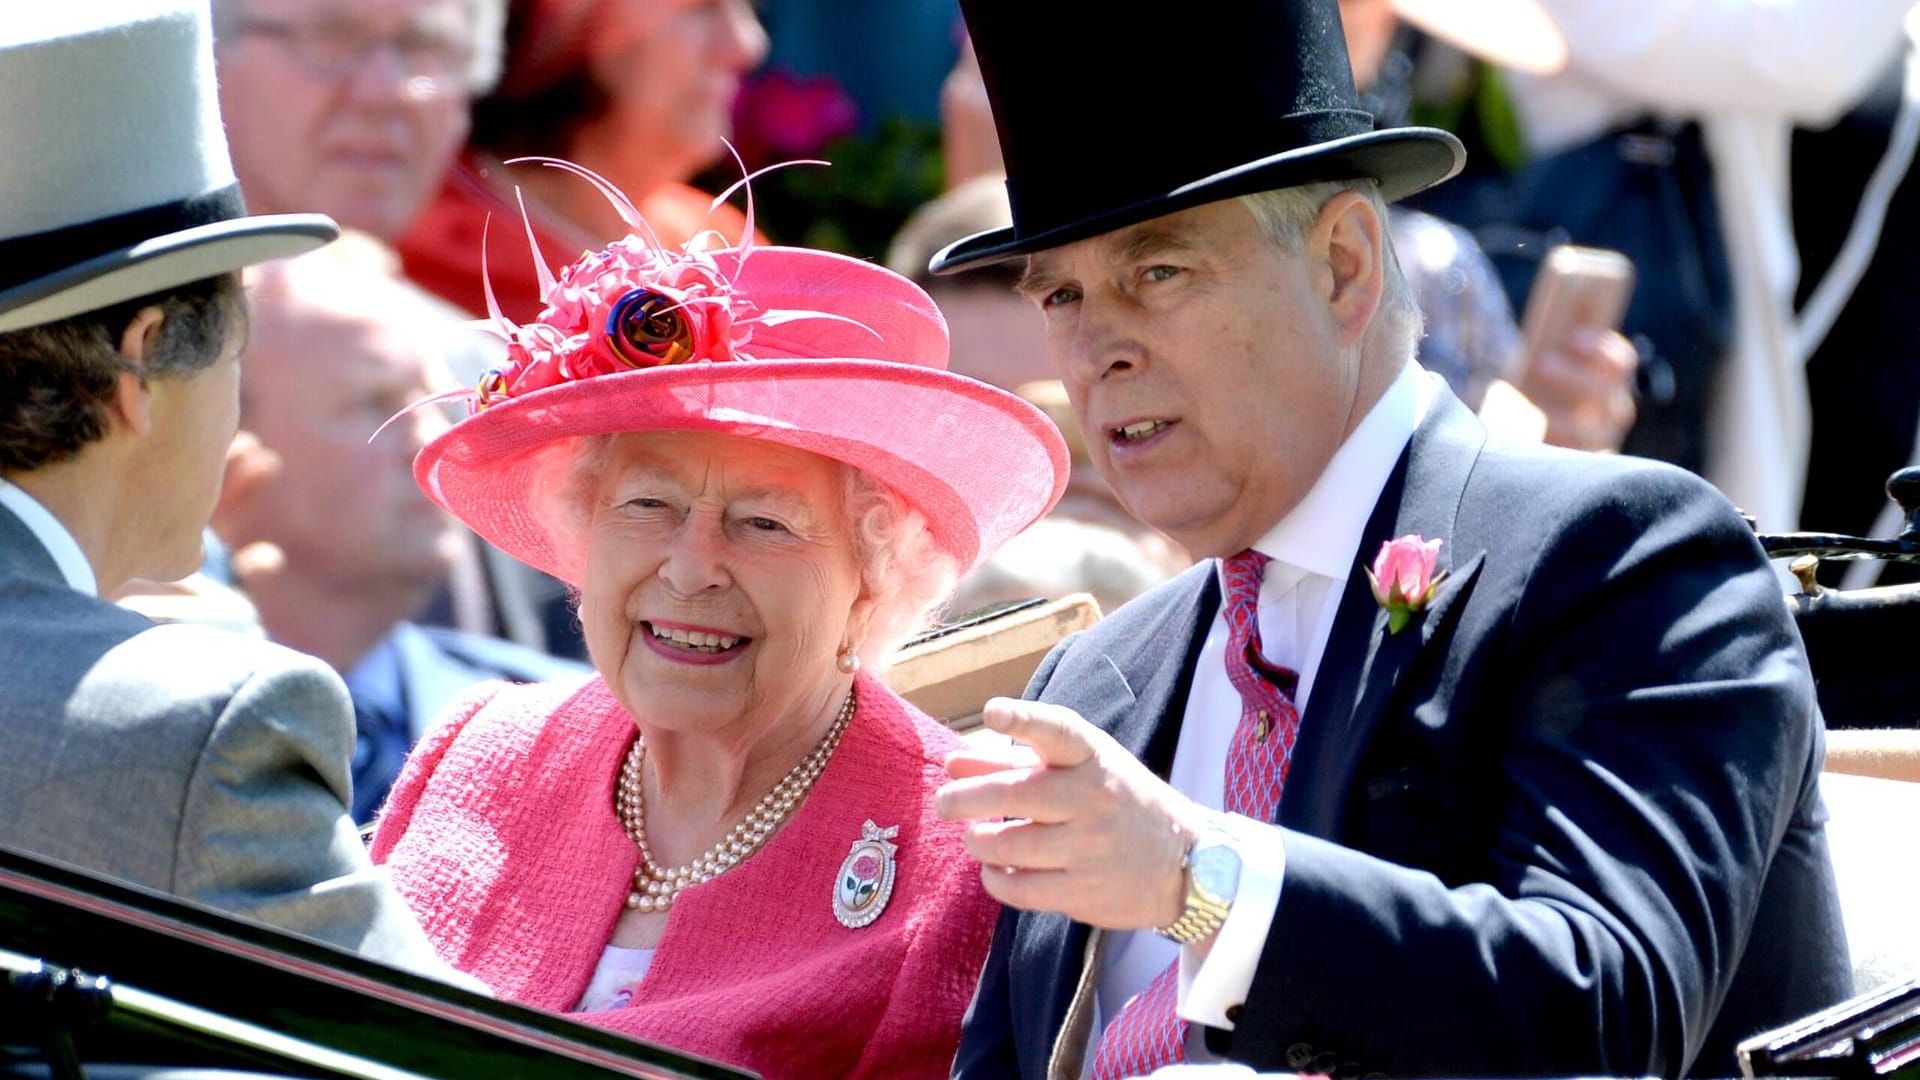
654 886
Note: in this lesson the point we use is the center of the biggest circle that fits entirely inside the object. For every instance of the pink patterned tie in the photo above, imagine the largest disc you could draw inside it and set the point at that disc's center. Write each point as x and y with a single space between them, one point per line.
1146 1033
1262 746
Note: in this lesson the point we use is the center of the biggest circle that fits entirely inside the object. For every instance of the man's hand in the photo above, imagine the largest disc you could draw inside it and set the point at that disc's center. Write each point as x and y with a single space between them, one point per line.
1070 822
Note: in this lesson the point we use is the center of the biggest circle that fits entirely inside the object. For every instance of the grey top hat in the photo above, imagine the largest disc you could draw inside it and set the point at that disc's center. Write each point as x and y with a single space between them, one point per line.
115 180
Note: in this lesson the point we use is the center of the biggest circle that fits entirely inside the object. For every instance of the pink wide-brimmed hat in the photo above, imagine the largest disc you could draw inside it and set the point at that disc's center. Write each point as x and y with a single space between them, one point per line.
790 346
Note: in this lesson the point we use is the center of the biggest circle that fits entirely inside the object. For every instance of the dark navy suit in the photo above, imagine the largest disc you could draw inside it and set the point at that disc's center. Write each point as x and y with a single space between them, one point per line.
1566 822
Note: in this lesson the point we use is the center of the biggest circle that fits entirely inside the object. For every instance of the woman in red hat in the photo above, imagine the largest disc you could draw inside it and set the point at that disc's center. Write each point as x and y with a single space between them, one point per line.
640 91
755 469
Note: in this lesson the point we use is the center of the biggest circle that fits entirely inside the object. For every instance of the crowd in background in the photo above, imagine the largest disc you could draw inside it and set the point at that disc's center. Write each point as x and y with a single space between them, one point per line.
1750 160
430 127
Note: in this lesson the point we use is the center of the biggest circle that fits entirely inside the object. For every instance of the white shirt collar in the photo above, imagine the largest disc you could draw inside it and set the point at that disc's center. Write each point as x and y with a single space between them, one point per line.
1321 535
53 536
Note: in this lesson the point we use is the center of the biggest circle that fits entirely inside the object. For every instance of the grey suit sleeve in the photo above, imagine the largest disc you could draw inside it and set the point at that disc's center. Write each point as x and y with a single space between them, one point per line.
264 831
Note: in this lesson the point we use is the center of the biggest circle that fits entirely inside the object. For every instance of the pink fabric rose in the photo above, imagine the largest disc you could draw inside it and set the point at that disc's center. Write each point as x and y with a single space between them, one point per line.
1403 578
569 341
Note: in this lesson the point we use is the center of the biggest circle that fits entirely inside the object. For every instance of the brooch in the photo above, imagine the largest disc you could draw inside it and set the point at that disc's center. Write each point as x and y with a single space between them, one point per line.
865 881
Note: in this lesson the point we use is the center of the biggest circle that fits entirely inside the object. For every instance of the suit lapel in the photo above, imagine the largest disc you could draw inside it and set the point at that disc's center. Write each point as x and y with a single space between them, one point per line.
1363 664
1132 692
1150 726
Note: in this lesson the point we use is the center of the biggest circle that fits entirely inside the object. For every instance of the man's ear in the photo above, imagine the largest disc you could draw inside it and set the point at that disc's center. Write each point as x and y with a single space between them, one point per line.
132 403
1350 261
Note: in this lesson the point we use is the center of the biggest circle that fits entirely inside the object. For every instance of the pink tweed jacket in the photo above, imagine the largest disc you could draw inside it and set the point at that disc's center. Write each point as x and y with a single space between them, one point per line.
501 835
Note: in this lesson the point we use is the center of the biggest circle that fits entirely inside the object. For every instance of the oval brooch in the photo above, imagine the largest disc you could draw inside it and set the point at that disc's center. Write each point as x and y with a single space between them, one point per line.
865 882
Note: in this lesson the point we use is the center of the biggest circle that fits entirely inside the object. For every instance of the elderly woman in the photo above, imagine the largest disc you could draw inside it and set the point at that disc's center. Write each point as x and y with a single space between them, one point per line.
756 470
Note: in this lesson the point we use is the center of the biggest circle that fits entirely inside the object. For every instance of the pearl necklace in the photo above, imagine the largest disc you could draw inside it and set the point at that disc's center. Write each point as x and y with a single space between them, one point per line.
654 887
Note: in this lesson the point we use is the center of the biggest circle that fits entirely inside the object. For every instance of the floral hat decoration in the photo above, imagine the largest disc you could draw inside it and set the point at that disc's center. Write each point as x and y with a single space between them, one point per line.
801 348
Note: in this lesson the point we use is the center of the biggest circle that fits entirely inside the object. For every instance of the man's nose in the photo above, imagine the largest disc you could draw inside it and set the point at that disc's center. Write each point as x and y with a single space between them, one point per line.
1097 347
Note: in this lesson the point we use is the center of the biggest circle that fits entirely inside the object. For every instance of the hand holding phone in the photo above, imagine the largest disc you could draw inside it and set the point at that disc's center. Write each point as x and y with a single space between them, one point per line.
1578 287
1577 369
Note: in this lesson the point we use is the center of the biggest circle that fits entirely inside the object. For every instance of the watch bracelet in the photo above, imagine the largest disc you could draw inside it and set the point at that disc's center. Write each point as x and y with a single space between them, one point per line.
1202 917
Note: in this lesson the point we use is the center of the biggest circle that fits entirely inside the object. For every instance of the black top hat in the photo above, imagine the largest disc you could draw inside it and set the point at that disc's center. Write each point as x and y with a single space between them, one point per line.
115 181
1109 116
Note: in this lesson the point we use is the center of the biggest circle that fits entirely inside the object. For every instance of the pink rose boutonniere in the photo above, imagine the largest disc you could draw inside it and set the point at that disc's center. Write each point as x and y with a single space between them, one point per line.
1403 578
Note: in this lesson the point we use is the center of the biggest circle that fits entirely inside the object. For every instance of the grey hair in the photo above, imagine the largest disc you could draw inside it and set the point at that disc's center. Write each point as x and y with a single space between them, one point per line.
486 40
1285 214
908 577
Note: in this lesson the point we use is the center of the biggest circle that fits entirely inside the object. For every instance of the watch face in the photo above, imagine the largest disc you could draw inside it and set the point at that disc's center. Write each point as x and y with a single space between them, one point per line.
1216 872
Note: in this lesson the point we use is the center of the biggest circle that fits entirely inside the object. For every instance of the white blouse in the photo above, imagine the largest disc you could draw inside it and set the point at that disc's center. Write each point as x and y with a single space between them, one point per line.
615 979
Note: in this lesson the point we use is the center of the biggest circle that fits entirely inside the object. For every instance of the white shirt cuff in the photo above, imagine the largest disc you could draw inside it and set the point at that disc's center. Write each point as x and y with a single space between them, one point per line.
1209 988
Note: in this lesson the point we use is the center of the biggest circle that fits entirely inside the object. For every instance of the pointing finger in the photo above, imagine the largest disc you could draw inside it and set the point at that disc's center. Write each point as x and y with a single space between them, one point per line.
988 751
1058 734
962 764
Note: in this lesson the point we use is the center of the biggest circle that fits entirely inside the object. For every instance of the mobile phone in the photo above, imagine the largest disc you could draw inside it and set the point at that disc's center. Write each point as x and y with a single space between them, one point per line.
1576 286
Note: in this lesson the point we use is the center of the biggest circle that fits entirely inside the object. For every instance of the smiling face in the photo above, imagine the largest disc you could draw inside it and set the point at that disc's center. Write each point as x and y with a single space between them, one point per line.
1214 375
721 582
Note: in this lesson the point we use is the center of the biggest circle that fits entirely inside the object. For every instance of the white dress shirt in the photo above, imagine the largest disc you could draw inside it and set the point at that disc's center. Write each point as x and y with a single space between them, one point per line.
1314 549
53 536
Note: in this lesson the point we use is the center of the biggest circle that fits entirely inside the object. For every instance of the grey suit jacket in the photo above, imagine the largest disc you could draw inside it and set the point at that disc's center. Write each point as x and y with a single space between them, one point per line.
185 759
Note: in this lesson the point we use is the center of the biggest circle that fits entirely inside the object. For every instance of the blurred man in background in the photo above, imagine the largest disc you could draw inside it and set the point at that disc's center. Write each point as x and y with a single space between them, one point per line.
332 540
352 108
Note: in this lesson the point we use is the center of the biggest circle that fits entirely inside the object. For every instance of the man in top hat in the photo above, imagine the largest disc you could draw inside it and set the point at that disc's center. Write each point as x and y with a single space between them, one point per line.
181 758
1540 800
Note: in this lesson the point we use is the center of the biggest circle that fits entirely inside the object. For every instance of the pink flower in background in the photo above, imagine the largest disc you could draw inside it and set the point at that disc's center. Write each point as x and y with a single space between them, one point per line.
779 115
1403 578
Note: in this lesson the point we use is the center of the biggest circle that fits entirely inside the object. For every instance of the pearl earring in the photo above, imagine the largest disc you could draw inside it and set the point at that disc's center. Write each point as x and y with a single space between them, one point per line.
849 661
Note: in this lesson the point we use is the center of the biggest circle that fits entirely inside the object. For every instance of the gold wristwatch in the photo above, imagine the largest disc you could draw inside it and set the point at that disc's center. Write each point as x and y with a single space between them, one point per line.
1212 865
